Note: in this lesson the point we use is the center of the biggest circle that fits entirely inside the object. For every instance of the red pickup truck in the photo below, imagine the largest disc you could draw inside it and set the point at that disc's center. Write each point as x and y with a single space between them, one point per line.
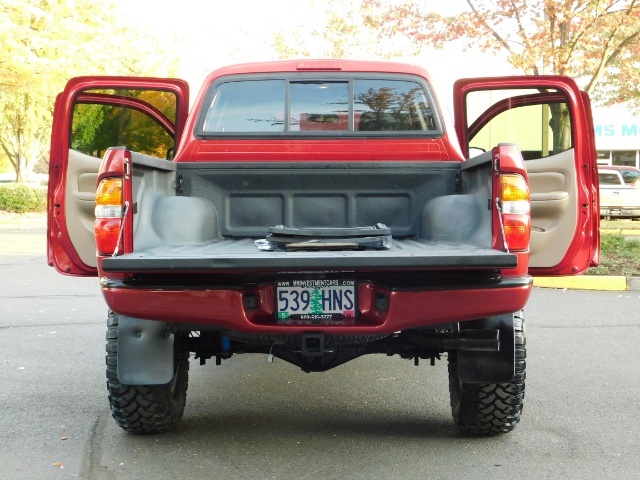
317 211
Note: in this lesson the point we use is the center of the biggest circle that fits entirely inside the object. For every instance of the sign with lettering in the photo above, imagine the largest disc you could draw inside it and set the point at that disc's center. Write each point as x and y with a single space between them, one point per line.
616 129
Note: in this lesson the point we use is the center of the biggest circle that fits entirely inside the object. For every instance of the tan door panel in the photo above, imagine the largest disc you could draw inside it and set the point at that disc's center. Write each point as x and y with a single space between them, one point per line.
553 187
80 201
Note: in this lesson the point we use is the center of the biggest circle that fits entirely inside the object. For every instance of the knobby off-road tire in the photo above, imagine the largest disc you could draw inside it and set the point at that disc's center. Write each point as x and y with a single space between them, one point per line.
144 409
490 408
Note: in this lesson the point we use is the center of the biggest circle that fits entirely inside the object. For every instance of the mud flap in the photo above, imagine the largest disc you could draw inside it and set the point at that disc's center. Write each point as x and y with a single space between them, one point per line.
145 352
490 367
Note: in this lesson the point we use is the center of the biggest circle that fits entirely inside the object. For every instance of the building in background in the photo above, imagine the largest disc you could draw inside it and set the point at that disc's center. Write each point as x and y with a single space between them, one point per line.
617 136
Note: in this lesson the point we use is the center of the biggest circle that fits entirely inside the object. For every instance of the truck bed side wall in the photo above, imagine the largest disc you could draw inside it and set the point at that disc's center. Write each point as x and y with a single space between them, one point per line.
162 218
464 217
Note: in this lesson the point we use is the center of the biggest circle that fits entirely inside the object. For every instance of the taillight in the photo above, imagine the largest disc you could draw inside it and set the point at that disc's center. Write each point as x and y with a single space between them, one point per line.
109 216
515 211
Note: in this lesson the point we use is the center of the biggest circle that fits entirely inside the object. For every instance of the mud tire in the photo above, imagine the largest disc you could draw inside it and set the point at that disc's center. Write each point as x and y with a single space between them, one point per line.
490 408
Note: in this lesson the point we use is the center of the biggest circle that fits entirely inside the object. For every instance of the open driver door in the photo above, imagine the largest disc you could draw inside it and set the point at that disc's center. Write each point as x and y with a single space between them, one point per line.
146 115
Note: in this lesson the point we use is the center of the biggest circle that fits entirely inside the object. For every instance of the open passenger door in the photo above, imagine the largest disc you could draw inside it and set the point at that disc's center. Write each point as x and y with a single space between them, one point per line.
146 115
549 119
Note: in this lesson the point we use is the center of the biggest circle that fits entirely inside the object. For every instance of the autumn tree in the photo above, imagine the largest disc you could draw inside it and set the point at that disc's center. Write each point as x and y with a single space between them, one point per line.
46 42
336 29
596 42
97 127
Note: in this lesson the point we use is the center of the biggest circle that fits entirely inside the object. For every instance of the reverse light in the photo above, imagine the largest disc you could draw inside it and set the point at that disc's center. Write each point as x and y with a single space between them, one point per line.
515 211
109 216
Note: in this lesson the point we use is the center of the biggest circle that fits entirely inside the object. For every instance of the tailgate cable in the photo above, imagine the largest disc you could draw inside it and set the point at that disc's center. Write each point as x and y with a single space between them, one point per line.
121 232
504 237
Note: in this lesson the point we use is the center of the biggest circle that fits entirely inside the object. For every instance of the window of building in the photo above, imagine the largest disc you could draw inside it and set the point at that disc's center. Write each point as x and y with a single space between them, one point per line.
604 157
625 157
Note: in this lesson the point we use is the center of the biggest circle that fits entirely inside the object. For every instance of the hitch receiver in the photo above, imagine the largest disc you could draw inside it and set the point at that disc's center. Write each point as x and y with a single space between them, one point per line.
312 345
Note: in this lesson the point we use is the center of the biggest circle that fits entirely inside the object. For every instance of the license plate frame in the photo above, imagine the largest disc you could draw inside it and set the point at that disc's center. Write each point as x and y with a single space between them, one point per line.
316 301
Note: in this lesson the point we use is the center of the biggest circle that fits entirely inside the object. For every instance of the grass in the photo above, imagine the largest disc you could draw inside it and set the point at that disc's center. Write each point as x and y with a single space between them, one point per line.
618 226
618 254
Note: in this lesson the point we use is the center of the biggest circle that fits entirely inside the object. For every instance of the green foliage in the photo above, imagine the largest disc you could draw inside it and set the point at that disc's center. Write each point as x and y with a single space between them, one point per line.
98 127
21 198
618 256
5 164
43 44
87 120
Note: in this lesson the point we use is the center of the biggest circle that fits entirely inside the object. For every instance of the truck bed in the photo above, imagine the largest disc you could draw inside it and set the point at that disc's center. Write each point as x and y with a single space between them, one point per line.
204 217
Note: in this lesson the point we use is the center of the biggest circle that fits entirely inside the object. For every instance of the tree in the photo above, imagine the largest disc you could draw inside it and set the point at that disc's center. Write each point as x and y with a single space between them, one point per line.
337 29
24 131
316 302
23 114
594 41
44 43
98 127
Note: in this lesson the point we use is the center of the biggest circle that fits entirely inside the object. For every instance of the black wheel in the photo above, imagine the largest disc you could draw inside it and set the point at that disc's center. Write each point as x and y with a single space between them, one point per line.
144 409
490 408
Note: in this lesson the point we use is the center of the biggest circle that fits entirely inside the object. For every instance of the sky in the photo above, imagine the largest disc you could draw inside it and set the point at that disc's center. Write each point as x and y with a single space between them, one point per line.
212 34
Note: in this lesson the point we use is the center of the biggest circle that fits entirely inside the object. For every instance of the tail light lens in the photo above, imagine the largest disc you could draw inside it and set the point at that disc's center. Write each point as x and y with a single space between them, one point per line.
109 214
515 210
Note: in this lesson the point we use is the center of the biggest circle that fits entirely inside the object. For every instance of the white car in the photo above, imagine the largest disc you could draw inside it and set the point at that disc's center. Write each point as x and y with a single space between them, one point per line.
617 198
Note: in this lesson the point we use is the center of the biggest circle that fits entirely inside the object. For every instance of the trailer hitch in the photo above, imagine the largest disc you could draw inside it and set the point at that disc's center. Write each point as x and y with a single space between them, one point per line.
312 345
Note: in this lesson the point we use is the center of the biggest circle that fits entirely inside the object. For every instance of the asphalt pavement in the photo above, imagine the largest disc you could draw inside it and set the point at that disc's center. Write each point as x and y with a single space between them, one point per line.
377 417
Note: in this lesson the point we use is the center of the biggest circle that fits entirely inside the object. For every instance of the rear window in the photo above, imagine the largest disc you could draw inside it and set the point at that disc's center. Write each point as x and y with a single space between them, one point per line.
327 107
630 176
606 178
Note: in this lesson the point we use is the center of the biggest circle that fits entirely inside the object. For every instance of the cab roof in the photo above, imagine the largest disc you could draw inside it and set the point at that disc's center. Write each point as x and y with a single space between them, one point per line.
320 66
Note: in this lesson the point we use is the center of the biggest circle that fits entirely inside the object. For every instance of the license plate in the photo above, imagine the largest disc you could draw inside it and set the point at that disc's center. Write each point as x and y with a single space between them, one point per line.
316 302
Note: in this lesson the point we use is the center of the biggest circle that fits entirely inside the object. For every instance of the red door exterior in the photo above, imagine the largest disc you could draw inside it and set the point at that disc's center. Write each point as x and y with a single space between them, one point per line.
61 250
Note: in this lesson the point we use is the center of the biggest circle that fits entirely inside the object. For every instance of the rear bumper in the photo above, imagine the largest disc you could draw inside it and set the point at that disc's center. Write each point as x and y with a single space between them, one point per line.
250 308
